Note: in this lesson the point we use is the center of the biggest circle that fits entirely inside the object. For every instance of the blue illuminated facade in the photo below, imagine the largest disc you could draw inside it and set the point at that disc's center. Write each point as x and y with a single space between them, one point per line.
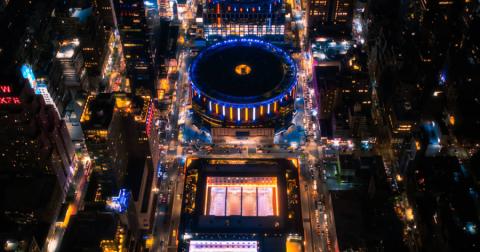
254 6
119 203
272 108
227 18
27 73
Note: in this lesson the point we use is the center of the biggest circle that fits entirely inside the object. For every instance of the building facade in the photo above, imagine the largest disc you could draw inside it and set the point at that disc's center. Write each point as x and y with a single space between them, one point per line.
132 25
224 18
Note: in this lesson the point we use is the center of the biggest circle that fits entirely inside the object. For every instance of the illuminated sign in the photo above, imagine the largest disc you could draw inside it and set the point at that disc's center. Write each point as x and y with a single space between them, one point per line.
6 97
27 73
119 203
218 246
40 88
442 78
9 100
5 89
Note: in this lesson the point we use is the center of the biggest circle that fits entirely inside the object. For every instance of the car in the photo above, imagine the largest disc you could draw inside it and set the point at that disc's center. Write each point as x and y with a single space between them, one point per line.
163 199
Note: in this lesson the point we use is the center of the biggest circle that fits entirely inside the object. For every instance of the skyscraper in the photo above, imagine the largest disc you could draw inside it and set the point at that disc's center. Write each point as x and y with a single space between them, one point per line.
115 128
37 161
132 24
330 17
246 18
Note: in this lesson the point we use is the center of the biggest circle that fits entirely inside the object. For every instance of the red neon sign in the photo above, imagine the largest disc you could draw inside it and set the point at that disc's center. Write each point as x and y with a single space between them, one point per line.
4 89
9 100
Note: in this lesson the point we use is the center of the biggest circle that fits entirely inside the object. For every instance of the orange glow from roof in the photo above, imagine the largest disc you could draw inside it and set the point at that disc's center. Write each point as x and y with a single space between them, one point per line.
243 69
164 84
409 214
293 246
451 120
243 182
160 94
71 210
86 113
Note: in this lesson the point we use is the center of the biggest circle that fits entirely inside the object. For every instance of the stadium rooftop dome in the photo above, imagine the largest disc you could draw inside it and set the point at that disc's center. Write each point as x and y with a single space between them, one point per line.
243 72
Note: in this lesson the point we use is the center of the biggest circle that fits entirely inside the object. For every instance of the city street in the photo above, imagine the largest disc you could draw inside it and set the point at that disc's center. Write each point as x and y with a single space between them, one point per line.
317 221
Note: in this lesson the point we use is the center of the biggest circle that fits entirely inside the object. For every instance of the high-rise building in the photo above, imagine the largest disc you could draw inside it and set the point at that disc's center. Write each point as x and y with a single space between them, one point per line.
95 120
132 25
341 11
328 93
363 193
105 10
115 127
444 203
330 17
319 11
95 231
264 18
37 161
67 75
35 137
25 23
96 38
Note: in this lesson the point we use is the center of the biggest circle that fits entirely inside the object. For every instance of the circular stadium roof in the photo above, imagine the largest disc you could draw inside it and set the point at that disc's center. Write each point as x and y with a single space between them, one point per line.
243 71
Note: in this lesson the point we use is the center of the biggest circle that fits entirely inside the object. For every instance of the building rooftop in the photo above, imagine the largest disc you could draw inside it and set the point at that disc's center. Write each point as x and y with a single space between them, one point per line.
98 111
448 193
243 71
135 173
238 199
27 206
364 217
87 230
